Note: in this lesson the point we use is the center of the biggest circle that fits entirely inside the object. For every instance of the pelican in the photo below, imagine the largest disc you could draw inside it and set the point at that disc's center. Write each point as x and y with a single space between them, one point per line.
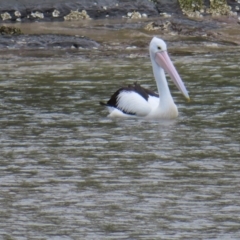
135 100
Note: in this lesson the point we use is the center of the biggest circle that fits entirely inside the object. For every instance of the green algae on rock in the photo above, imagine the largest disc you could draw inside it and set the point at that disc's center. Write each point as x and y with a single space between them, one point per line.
220 7
192 8
163 26
10 30
195 8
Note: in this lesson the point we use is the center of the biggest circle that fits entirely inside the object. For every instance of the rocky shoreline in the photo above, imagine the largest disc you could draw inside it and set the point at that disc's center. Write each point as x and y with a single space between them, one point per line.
59 10
117 24
62 10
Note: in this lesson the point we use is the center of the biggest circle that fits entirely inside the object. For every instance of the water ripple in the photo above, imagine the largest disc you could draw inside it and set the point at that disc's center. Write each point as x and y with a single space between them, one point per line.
69 172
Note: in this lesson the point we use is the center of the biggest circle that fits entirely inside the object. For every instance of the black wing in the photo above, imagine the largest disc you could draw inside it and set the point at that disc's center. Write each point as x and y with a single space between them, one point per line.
145 93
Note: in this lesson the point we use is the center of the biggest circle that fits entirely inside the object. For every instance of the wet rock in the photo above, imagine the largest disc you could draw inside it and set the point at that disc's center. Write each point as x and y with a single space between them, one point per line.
166 15
119 8
76 15
55 13
220 7
199 8
46 42
135 15
191 8
162 25
37 14
57 10
168 7
17 14
4 30
182 26
5 16
53 10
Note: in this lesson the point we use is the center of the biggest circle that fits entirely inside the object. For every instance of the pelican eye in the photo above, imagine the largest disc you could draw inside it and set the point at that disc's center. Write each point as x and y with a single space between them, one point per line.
159 48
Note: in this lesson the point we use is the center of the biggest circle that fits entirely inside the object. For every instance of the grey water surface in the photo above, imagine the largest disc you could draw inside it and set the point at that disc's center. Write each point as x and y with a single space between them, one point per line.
69 172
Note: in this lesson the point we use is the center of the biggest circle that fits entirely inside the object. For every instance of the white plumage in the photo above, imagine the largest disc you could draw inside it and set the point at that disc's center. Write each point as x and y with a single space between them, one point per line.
134 100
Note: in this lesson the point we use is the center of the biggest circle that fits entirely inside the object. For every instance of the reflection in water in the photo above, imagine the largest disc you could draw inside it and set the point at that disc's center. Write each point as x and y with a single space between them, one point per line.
68 172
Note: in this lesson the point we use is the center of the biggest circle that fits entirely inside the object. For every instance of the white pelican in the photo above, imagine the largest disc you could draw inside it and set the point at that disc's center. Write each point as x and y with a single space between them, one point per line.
135 100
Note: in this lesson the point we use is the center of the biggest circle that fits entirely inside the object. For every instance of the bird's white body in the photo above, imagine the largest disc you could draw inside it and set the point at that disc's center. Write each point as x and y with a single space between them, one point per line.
135 101
147 109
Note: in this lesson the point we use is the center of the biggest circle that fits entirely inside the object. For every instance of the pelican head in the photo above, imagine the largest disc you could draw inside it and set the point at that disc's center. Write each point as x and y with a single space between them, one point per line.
159 55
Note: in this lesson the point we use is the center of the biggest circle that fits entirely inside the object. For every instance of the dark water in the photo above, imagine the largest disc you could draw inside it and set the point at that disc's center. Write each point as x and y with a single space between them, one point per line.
69 172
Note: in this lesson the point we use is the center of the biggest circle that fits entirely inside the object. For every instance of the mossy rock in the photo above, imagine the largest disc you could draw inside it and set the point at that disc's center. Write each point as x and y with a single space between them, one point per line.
219 7
191 5
10 30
